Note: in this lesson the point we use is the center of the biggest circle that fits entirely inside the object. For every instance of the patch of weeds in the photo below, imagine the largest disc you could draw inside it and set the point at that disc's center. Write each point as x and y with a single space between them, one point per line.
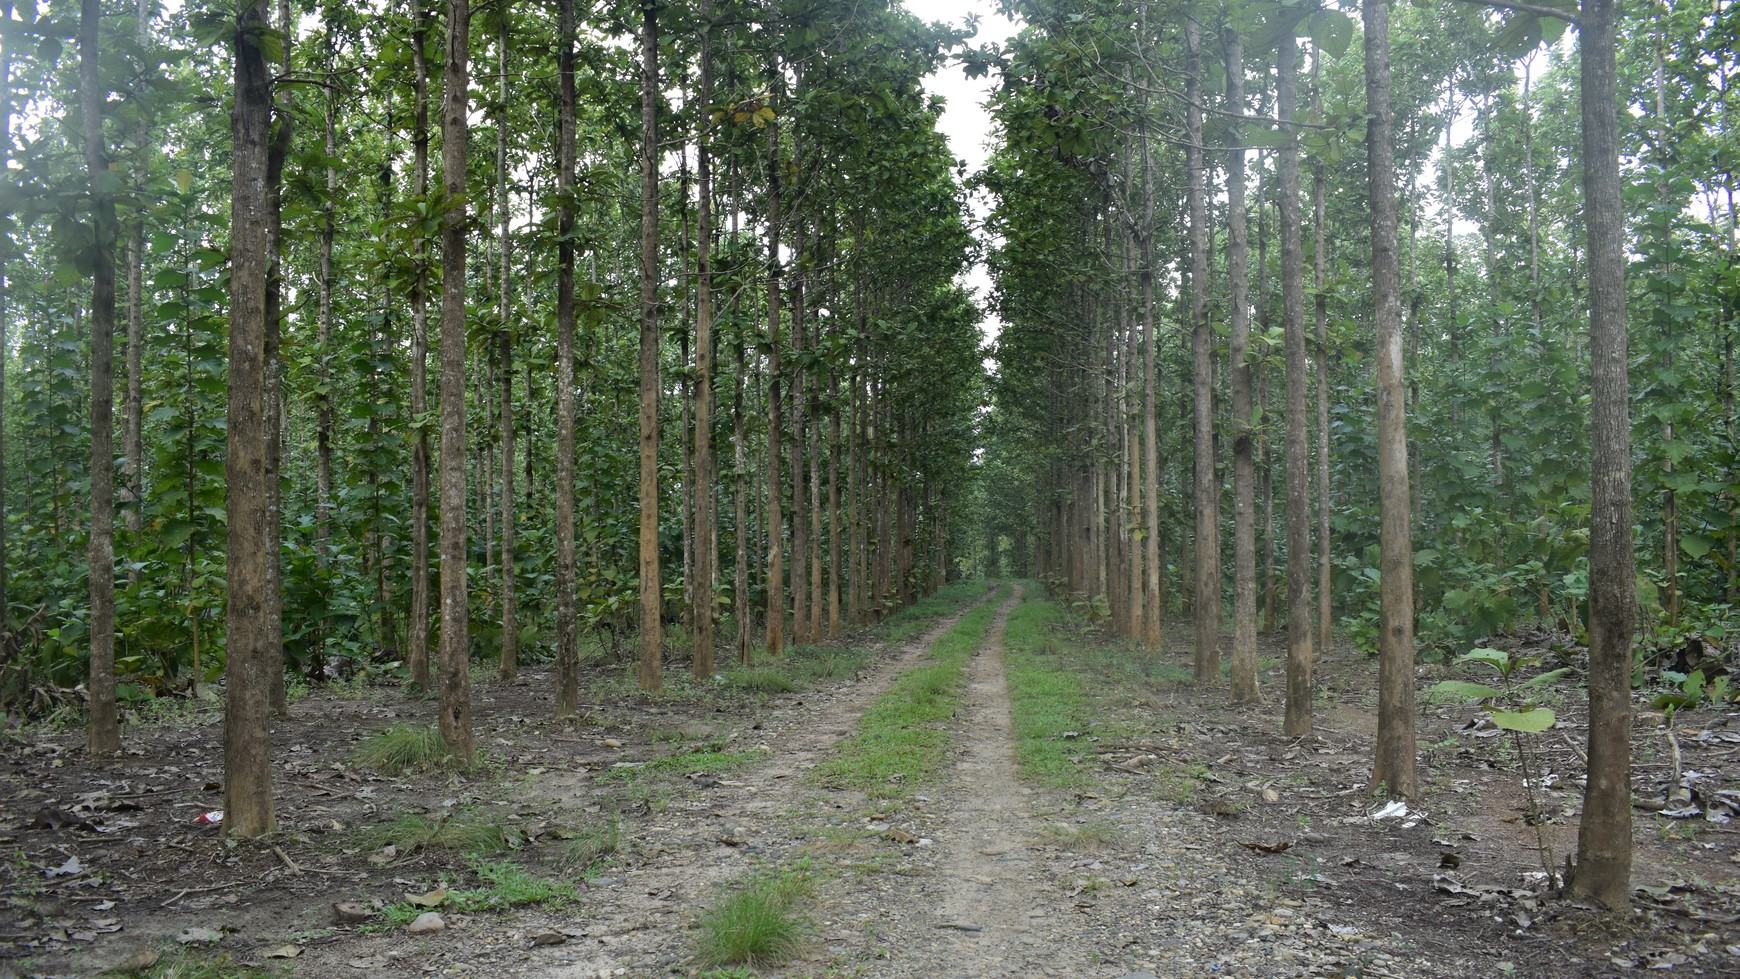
1048 705
186 964
459 833
814 666
1092 836
180 713
402 749
761 679
901 741
506 885
590 846
709 757
739 973
920 615
758 924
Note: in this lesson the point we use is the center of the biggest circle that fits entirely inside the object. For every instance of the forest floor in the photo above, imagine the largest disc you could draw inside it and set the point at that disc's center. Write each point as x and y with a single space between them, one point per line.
987 788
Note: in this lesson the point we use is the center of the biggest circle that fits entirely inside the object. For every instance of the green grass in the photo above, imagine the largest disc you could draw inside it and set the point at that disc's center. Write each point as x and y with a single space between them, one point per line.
758 924
710 756
1089 837
590 846
922 614
186 964
506 885
901 741
461 833
1047 702
402 749
761 679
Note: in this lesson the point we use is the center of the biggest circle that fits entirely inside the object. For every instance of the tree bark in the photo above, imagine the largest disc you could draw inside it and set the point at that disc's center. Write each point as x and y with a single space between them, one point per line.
706 529
1604 834
1319 207
510 626
455 599
1207 480
105 735
775 519
419 652
283 116
1393 766
1244 648
247 764
1300 659
567 613
651 592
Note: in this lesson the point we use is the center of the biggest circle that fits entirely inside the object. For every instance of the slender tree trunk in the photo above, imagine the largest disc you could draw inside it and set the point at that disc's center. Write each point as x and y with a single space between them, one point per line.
5 254
1604 834
835 562
567 613
133 437
775 519
706 526
1154 591
510 626
1393 767
419 652
1244 649
455 600
283 115
651 592
323 419
800 522
741 609
1299 611
1319 207
247 764
105 736
1207 480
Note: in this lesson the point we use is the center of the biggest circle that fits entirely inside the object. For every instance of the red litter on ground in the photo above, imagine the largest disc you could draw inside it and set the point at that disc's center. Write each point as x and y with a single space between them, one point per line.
215 816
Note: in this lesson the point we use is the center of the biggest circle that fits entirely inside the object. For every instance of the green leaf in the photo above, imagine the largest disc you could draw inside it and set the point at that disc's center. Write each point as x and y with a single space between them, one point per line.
1498 659
184 180
1330 31
1527 721
1696 545
1545 678
175 533
1460 690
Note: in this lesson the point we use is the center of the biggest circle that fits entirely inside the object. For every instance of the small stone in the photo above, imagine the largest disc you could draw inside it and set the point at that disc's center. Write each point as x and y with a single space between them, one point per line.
350 913
427 923
548 937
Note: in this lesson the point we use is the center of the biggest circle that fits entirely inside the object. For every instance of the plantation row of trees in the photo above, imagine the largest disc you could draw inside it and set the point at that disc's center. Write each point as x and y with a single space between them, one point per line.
335 337
1376 307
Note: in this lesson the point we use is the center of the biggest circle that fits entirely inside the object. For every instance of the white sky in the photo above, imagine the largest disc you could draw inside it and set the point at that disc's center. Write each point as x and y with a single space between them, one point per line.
965 121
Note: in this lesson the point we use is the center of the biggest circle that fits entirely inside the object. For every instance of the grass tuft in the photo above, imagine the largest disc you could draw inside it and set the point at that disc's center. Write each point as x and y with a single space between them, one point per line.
901 741
1089 837
402 749
757 925
761 679
590 846
185 964
459 833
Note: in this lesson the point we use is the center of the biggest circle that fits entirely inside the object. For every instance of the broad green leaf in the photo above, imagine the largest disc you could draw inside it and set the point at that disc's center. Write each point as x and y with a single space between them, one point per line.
175 533
1331 31
1527 721
1461 690
1696 545
1545 678
1496 658
184 180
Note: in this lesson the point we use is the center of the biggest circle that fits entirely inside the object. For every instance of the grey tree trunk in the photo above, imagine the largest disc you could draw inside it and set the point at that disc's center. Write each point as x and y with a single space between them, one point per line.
510 626
651 592
1604 834
1300 659
1393 763
706 529
247 765
455 598
419 653
1207 479
567 613
1244 648
105 734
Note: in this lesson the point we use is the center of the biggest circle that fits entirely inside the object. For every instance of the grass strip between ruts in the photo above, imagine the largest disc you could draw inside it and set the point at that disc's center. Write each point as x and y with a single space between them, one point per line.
1050 707
901 741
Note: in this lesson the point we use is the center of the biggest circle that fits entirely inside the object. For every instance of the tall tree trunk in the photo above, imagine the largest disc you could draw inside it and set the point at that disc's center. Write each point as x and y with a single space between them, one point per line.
706 528
775 520
835 562
133 424
1319 208
741 609
455 600
105 735
284 119
419 652
323 419
1207 480
1154 590
247 763
1299 611
651 592
567 613
800 521
1393 766
5 254
1604 834
510 626
1244 649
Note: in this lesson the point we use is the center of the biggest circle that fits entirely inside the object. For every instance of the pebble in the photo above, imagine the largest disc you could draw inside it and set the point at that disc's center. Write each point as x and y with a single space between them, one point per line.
427 923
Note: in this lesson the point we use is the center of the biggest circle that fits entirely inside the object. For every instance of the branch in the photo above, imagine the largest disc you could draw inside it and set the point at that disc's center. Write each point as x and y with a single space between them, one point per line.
1570 16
